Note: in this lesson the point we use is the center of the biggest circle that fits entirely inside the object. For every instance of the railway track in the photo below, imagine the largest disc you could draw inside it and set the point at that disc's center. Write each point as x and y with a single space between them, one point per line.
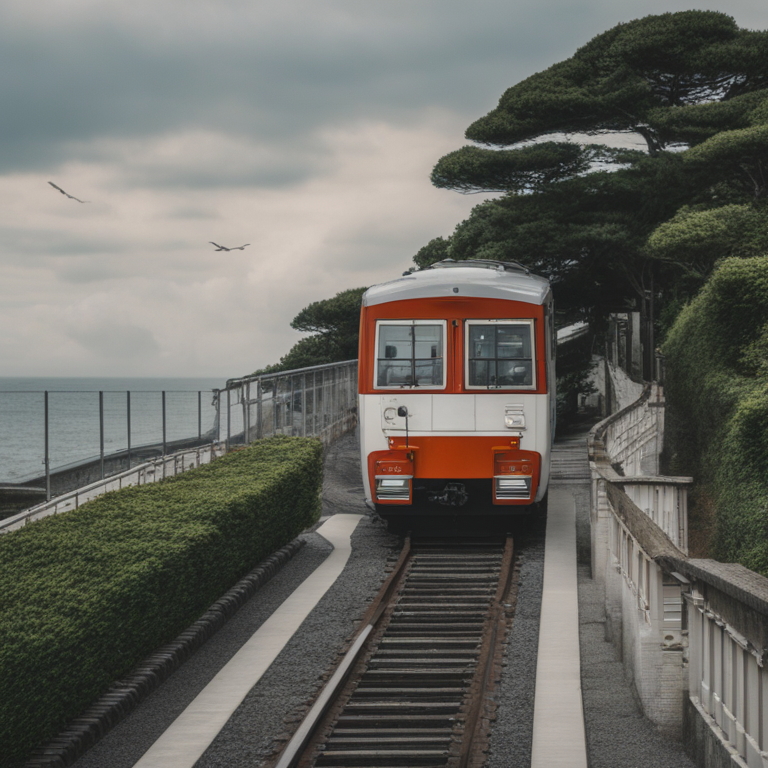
412 689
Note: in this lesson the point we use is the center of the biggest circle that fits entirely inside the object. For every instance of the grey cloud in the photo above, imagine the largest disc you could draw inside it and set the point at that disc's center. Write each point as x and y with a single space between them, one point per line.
192 212
34 245
116 340
279 83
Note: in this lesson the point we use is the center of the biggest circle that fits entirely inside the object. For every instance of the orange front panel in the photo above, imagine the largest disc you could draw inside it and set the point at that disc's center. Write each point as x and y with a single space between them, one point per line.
455 459
464 458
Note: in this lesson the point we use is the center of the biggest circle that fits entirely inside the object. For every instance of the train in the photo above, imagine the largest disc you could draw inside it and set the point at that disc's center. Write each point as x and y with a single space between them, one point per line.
456 382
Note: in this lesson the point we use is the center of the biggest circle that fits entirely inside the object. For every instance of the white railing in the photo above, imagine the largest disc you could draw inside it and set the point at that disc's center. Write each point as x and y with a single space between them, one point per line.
665 501
693 633
728 680
633 437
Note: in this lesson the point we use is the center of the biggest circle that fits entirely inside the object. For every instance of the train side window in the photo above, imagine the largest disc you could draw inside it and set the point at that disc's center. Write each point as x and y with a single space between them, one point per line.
500 354
410 353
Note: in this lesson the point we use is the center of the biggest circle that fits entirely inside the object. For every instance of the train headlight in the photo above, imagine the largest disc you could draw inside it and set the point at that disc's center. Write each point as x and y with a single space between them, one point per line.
393 488
514 418
513 487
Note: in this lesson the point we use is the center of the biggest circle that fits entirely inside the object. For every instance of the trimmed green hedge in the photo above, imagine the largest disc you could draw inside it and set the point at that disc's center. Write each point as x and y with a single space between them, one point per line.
717 395
87 594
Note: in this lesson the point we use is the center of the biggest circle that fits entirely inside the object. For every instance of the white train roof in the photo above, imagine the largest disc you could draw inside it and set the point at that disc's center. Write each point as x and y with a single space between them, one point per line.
478 279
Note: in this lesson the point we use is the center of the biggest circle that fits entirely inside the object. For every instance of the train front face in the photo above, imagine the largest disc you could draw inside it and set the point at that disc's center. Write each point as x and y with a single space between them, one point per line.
457 401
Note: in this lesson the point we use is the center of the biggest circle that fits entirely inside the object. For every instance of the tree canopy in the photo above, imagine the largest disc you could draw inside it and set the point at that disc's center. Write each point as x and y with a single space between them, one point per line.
632 73
598 219
335 325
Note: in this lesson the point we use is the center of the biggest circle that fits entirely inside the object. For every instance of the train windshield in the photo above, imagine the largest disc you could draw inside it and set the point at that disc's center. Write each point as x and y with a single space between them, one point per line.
410 354
500 354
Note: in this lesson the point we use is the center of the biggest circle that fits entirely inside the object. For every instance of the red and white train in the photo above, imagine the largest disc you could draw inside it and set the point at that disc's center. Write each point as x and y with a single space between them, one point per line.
457 391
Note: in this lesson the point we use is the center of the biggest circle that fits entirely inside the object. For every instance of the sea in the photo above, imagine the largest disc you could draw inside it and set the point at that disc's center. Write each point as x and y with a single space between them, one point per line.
74 423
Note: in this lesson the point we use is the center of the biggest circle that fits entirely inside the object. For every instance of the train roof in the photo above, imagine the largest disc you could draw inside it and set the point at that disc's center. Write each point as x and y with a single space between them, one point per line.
478 278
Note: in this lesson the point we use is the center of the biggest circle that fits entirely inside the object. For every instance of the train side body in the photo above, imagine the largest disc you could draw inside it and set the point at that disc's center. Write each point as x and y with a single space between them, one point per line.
457 391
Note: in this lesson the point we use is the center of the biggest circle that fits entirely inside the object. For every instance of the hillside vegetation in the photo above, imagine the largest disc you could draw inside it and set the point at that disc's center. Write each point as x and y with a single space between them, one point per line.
717 395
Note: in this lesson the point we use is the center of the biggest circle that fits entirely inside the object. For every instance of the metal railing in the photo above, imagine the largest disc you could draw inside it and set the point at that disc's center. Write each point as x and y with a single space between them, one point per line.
320 401
105 431
148 472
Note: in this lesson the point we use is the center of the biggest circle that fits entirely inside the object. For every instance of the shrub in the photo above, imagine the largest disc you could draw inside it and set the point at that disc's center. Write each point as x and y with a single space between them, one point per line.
88 594
717 358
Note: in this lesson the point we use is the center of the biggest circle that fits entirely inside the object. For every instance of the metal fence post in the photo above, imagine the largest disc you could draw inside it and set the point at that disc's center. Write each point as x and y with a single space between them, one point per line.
128 420
275 387
47 459
291 411
164 447
303 404
314 403
258 408
241 395
247 425
218 414
101 433
229 419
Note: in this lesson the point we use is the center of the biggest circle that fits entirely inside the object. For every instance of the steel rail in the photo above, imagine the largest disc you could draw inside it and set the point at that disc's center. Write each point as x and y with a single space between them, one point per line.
426 682
498 622
294 750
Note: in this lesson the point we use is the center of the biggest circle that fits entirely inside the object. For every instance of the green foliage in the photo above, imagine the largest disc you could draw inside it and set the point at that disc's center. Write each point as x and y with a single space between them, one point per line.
695 87
435 250
735 158
618 78
694 123
89 593
717 394
335 324
471 169
697 238
586 234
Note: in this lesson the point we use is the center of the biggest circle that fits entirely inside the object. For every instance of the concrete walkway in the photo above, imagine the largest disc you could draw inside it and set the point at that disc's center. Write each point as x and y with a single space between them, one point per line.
193 731
558 719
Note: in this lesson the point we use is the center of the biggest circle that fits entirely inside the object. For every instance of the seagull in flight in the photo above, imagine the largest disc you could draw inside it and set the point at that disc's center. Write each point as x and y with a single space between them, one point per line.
71 197
224 247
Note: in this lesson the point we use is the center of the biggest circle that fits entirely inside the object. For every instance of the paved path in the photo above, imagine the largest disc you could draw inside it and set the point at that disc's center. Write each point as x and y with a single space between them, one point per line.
182 744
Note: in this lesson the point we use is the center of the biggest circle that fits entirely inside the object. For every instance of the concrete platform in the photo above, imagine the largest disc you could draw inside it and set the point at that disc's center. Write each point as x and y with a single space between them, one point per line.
558 720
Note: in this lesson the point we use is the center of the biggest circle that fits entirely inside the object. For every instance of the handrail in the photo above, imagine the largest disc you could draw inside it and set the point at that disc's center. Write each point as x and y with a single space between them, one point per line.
231 383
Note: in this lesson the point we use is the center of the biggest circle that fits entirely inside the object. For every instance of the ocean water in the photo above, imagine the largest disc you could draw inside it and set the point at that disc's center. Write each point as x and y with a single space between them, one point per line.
74 422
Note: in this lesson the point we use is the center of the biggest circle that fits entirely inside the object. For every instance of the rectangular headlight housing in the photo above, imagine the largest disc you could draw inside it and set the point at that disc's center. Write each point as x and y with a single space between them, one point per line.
389 488
513 487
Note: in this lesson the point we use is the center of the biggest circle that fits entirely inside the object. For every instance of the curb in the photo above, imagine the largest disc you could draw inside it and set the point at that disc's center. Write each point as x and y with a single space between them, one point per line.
124 695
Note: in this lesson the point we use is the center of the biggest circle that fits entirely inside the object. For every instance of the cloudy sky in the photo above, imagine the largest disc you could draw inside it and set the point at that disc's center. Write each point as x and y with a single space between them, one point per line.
307 129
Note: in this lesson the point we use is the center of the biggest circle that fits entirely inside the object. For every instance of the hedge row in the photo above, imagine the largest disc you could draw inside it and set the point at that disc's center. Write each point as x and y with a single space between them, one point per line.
717 393
87 594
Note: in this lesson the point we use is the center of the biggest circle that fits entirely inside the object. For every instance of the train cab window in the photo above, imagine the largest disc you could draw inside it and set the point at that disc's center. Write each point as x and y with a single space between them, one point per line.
500 354
410 353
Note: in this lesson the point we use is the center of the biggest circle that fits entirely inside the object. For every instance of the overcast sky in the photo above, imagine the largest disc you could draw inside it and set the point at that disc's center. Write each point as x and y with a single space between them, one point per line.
307 129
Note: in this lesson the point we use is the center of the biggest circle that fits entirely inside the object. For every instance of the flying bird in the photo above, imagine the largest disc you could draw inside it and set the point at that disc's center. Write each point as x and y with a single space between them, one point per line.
224 247
71 197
